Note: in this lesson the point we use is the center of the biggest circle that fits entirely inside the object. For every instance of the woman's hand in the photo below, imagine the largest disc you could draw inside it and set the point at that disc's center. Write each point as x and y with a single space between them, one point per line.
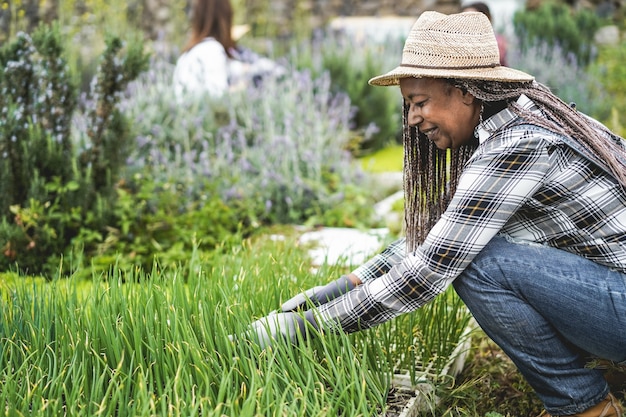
321 294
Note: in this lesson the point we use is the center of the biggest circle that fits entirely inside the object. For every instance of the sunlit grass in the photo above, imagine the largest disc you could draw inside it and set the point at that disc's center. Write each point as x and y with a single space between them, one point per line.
388 159
132 344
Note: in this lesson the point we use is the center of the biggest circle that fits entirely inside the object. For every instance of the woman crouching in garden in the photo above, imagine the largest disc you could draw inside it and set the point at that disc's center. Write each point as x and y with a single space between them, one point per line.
512 196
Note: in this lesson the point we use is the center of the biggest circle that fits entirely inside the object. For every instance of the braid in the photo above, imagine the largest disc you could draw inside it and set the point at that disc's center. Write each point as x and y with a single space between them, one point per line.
431 175
430 180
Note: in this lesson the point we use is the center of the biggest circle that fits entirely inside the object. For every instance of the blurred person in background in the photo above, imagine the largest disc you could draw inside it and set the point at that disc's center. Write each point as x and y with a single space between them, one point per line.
212 62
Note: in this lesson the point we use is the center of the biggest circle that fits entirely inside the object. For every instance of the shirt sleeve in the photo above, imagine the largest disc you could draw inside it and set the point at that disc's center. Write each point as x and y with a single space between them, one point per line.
204 68
503 173
381 263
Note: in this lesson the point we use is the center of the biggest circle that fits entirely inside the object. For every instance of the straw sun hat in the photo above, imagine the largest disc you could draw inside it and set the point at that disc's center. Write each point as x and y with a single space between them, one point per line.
451 46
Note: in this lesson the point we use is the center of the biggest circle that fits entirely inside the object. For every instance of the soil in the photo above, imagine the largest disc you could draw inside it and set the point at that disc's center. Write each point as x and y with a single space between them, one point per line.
397 400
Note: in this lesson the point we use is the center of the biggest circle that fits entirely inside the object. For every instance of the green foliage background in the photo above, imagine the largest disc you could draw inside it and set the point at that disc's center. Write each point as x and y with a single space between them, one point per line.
558 25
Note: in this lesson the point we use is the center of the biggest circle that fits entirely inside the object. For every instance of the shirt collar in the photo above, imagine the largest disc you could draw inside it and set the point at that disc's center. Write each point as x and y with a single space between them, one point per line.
485 129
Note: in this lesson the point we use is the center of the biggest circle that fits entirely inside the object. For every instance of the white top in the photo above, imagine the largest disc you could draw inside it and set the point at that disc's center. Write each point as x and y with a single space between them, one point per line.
205 68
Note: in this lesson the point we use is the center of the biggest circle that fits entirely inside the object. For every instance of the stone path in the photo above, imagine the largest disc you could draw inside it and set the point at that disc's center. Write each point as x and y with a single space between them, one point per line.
343 246
347 246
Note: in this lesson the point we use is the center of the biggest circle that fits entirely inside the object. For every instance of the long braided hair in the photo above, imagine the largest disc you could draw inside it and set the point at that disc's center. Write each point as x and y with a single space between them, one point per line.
430 179
431 175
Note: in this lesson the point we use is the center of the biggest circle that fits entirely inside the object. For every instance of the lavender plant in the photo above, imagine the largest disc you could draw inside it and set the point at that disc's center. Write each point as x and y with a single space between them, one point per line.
560 71
279 146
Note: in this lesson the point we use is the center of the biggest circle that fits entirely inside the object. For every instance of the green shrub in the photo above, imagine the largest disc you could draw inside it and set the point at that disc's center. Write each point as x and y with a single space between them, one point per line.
105 141
49 189
267 23
35 235
37 101
352 209
610 71
575 84
377 115
557 25
152 227
376 122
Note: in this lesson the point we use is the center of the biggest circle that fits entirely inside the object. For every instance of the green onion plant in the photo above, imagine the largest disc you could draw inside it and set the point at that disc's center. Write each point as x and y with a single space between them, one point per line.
131 343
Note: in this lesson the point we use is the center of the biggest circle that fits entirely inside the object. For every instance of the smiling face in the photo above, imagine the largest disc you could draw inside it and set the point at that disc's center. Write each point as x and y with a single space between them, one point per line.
442 112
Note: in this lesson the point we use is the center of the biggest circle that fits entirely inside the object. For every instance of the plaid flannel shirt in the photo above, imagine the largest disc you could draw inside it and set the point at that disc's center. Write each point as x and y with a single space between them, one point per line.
524 182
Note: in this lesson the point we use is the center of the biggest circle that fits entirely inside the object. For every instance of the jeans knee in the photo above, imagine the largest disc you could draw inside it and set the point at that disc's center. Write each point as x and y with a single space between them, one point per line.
485 275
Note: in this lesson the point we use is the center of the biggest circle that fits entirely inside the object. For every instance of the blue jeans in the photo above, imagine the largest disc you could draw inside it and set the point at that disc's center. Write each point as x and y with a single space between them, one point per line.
549 311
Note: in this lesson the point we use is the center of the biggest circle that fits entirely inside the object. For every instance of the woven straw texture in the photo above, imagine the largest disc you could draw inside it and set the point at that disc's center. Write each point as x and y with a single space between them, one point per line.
451 46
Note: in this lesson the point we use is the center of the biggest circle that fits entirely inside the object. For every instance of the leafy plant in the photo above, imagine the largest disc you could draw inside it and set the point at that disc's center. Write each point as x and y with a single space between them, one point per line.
576 84
153 229
377 117
376 120
44 178
610 71
352 209
558 26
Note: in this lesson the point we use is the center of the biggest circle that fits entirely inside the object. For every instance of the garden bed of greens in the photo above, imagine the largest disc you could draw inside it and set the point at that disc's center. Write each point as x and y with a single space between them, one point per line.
144 213
129 343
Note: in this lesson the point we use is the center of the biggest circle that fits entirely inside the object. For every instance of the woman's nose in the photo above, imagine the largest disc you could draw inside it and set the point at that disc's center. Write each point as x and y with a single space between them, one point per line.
414 116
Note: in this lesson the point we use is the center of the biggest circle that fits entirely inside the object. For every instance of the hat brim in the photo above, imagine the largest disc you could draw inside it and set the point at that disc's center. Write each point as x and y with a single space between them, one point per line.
499 73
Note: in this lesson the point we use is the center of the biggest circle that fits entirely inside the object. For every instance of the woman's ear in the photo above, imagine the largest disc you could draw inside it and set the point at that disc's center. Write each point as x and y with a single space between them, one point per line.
467 97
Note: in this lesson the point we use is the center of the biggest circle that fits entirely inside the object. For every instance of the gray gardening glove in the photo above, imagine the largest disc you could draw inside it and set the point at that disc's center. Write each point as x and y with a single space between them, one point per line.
319 295
266 330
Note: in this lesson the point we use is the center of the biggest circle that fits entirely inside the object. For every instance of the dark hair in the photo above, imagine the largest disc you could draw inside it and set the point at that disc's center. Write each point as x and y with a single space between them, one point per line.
212 18
478 6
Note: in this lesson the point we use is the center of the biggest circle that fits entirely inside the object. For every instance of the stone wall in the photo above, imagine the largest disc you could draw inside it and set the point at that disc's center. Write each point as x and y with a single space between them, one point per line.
334 8
274 17
283 14
159 18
